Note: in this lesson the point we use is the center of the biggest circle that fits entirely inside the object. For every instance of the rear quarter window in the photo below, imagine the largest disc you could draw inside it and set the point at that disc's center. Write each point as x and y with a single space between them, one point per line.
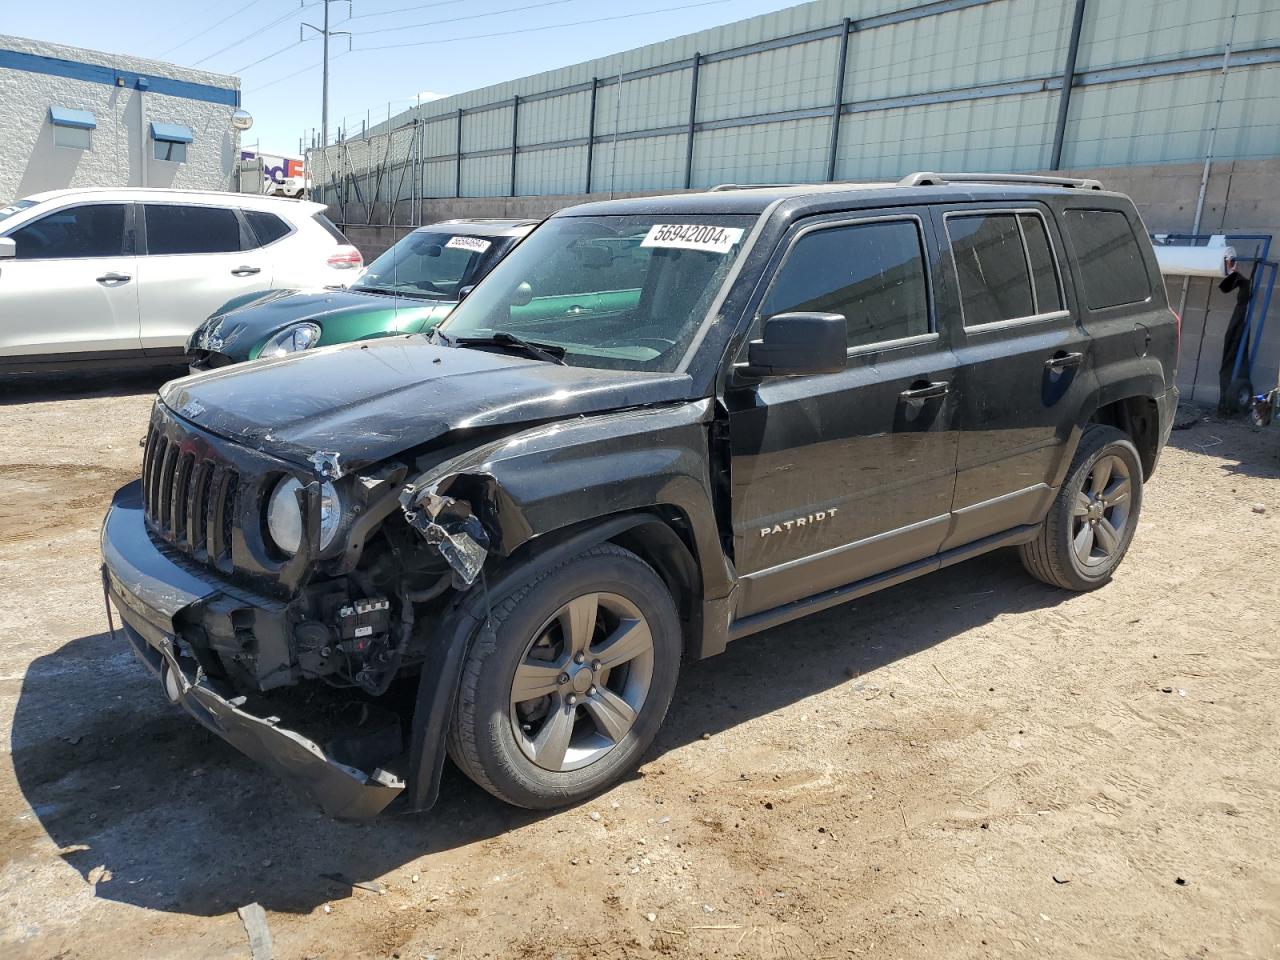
1111 265
330 229
266 227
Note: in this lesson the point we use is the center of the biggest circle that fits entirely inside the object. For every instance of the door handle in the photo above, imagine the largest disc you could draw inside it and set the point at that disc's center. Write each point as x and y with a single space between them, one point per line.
114 278
930 389
1060 361
245 271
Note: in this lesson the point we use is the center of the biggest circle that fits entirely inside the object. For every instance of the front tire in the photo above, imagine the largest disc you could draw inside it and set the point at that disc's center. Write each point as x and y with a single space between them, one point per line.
1090 525
563 695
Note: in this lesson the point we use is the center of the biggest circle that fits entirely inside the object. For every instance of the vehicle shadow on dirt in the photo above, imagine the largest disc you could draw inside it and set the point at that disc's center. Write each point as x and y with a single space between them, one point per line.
1243 450
46 387
179 821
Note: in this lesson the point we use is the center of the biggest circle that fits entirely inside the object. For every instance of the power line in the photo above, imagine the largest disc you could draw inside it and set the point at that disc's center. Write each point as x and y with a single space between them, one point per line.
206 30
296 73
284 49
470 16
259 30
551 26
417 6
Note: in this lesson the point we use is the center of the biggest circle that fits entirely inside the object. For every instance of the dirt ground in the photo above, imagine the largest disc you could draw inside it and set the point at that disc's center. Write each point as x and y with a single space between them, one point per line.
970 764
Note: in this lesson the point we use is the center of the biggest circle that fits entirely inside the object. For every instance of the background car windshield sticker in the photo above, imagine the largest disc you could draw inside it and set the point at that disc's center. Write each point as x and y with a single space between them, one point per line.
474 244
692 236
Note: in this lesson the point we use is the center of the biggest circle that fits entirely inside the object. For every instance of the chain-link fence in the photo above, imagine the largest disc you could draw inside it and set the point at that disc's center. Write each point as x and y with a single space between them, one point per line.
948 85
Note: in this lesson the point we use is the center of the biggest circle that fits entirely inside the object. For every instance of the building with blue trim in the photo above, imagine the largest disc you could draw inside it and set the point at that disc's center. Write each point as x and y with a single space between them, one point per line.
82 118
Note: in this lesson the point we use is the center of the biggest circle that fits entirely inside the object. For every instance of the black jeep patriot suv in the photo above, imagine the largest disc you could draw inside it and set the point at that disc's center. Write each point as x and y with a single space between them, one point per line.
659 425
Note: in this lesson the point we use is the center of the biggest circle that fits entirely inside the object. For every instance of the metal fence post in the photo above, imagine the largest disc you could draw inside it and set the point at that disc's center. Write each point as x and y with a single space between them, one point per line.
693 119
457 173
591 131
515 134
839 102
1068 78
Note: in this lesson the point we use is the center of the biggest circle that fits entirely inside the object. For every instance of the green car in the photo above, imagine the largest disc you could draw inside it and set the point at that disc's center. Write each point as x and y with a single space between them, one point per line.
409 289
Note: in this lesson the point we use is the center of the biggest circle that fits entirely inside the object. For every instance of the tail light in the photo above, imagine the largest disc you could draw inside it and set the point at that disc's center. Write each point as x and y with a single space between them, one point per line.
1177 319
345 257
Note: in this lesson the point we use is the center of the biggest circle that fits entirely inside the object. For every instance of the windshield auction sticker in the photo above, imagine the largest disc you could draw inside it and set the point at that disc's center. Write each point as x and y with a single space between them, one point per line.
474 244
692 236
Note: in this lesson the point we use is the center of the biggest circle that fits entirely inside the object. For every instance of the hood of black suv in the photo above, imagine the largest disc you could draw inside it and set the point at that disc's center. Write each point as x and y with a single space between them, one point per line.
360 403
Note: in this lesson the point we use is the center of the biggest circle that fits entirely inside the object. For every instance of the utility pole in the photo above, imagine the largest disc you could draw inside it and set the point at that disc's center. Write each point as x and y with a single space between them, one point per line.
325 33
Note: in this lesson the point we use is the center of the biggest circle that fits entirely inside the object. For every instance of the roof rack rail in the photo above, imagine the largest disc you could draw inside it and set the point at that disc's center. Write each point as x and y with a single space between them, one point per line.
937 179
721 187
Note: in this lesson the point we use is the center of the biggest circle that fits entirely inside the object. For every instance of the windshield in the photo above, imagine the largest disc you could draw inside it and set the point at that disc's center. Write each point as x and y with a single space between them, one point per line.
433 266
623 292
16 207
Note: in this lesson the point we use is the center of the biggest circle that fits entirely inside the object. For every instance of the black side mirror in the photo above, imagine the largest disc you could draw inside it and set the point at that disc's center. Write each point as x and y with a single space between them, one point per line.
798 344
464 292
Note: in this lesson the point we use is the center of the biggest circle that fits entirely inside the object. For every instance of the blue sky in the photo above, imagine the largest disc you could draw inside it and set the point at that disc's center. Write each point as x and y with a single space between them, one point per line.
284 95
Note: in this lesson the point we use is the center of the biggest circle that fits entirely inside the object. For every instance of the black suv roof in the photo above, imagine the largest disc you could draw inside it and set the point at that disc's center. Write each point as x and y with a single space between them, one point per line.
916 187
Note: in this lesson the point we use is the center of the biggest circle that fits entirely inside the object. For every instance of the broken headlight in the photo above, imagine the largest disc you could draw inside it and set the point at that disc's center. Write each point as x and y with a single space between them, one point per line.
284 516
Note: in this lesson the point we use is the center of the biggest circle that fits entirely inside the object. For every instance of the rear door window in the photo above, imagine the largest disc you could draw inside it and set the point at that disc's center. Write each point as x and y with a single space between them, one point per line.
92 230
1111 263
873 274
995 281
174 228
1004 265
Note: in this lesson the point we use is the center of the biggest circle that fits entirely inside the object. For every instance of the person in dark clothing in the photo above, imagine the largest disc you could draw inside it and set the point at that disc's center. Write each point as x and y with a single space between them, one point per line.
1238 282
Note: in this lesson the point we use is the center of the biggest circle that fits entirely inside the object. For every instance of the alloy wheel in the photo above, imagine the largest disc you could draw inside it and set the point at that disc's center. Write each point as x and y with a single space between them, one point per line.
582 682
1101 511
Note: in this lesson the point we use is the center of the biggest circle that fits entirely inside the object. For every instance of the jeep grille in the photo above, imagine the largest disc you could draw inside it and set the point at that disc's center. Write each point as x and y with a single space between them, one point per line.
189 499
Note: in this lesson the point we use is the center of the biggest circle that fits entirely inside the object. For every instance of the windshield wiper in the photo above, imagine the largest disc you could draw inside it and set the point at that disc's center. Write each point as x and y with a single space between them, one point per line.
539 351
392 292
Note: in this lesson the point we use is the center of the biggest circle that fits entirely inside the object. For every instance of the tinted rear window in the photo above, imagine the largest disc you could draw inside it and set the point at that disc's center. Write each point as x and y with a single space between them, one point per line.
1111 263
329 228
173 228
267 227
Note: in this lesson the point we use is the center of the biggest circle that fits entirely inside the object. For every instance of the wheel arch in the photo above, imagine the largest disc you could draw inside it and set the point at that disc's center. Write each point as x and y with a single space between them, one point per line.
654 533
660 535
1139 417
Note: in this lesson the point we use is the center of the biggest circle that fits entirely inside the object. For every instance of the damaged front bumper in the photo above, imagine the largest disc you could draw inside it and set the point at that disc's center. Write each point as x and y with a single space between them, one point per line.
151 591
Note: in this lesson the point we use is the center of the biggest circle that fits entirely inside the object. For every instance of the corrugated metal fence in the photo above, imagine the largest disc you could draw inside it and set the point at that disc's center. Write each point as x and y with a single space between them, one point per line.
813 93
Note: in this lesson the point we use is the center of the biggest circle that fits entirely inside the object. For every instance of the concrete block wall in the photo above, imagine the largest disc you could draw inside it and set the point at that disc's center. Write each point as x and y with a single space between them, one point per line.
1242 196
121 153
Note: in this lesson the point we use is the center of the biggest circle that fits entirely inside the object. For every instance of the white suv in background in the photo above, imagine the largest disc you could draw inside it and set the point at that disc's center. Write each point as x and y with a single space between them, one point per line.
100 276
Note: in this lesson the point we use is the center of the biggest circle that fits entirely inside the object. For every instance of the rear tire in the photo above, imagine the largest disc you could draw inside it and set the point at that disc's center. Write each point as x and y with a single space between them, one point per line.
563 696
1091 522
